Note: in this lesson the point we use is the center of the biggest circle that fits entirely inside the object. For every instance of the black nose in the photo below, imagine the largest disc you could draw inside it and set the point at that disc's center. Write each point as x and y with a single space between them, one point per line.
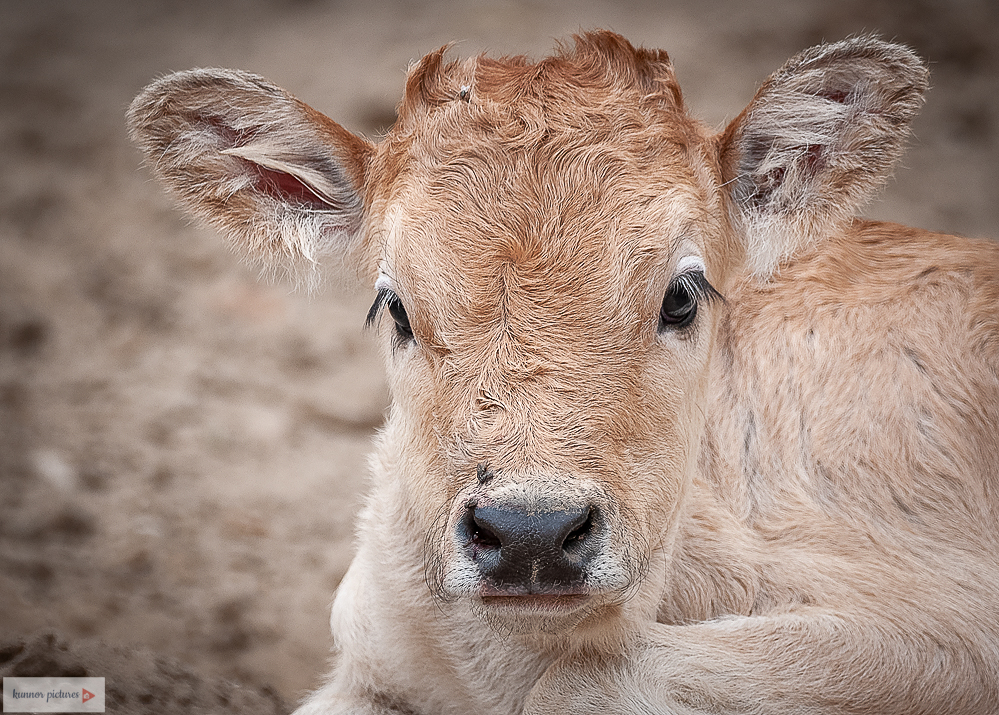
523 551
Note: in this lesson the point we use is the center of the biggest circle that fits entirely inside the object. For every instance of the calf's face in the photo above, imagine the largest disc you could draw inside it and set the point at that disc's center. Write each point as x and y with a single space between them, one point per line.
550 311
549 244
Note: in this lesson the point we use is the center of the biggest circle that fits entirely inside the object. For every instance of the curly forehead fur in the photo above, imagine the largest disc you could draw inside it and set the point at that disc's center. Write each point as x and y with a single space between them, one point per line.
602 96
602 74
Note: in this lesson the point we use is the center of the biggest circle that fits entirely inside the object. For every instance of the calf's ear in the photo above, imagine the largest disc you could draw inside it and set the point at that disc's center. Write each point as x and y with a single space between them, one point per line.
819 139
281 180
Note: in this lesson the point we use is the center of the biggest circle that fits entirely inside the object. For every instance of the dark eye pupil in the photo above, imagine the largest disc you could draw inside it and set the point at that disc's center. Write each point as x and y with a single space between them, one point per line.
678 309
398 313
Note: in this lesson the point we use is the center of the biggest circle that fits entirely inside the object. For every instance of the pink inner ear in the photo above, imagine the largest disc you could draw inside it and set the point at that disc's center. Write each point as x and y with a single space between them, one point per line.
839 96
276 184
287 189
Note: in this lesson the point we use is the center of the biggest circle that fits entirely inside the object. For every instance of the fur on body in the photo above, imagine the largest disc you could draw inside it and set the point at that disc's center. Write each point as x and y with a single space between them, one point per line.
671 431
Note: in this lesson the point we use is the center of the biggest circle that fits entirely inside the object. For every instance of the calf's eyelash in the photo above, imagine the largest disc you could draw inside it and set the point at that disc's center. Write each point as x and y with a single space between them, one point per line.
382 299
697 285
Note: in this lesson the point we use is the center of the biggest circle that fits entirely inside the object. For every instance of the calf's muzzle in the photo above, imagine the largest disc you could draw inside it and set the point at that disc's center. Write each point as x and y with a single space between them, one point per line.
524 551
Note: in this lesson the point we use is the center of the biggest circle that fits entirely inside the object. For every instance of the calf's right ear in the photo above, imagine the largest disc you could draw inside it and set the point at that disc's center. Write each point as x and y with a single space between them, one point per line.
281 180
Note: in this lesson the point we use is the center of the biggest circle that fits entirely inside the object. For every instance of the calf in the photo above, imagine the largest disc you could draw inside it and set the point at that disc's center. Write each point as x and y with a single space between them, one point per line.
671 430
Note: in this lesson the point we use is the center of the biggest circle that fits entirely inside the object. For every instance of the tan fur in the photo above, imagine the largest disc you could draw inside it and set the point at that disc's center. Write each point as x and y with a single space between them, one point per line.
799 493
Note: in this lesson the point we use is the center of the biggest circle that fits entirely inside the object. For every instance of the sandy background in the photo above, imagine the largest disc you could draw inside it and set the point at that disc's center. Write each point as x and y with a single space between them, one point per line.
182 447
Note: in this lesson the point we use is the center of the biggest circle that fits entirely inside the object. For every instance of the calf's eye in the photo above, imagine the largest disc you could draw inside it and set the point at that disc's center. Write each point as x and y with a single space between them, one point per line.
679 307
387 298
398 312
685 292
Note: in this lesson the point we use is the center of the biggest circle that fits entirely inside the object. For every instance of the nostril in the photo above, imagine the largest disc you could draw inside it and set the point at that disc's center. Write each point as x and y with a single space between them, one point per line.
482 536
476 532
579 531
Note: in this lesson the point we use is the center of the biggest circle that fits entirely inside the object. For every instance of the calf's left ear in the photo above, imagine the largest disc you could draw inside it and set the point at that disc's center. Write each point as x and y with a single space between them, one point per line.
282 181
819 139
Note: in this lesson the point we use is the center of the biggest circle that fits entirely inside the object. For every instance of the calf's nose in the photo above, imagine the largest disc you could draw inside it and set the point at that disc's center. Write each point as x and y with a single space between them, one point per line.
522 551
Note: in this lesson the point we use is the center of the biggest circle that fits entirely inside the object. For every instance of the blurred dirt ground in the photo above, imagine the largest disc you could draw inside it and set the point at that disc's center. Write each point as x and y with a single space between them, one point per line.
182 446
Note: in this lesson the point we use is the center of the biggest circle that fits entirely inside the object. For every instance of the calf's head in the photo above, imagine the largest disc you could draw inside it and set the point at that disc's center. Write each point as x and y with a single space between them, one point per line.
549 244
